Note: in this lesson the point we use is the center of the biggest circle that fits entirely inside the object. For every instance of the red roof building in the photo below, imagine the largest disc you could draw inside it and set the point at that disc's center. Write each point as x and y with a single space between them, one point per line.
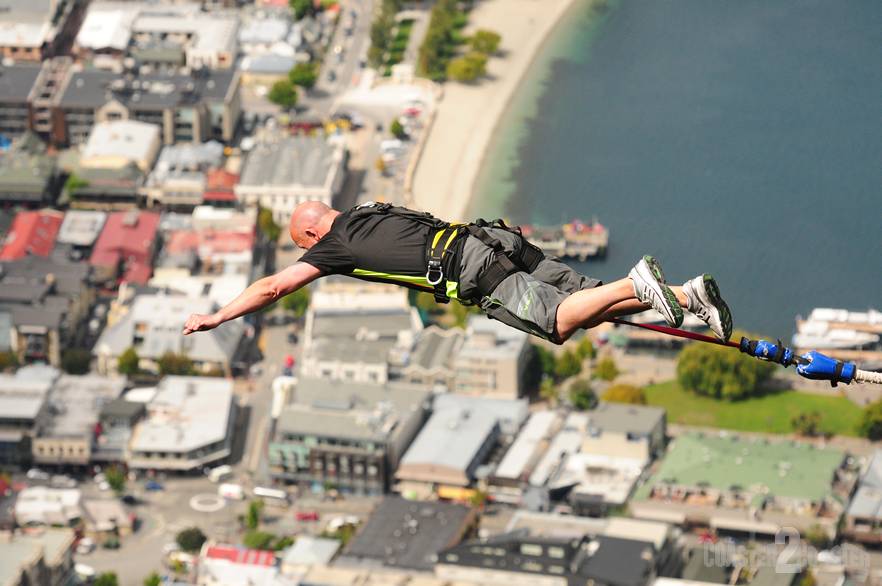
240 555
32 233
126 246
219 186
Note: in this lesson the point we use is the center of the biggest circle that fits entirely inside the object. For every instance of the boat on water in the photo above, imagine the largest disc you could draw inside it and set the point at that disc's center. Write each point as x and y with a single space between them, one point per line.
869 321
823 335
577 239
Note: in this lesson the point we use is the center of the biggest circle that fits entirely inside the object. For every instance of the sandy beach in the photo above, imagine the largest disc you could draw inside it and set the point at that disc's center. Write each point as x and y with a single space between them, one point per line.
468 114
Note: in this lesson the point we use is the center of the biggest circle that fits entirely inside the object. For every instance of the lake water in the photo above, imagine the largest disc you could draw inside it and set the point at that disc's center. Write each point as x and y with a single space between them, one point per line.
737 138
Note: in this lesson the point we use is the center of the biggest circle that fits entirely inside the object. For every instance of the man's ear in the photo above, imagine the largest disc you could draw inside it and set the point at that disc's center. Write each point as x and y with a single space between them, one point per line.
311 233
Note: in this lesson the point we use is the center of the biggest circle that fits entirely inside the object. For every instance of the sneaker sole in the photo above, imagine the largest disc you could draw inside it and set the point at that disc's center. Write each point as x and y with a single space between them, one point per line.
715 299
670 298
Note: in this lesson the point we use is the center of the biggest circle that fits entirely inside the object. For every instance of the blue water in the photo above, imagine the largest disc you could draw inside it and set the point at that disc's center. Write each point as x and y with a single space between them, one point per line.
741 138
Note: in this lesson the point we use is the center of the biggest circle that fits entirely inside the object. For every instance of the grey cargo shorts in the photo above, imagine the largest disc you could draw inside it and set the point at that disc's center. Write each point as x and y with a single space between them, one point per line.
526 301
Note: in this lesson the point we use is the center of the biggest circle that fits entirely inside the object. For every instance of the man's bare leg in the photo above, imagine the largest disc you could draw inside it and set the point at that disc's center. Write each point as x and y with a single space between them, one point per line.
589 307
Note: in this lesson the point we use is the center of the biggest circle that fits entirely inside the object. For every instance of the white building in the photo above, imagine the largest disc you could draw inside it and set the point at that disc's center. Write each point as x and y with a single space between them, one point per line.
113 145
492 360
189 425
41 505
281 172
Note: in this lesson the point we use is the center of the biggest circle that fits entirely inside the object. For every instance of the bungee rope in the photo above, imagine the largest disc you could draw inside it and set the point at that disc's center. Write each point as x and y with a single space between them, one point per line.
812 365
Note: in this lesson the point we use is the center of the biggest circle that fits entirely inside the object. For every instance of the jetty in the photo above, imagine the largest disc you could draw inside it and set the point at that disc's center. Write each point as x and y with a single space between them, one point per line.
576 240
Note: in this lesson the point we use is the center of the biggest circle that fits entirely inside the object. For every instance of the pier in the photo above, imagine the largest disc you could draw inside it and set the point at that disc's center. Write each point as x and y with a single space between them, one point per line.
574 240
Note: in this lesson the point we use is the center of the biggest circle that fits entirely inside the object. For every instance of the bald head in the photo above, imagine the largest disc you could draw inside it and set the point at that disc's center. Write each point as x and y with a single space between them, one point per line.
310 221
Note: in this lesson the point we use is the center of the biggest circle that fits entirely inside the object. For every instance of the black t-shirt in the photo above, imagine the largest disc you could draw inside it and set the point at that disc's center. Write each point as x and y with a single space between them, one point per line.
379 242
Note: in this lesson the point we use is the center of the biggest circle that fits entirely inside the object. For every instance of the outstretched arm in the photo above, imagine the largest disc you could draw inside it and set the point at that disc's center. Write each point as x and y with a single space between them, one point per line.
257 296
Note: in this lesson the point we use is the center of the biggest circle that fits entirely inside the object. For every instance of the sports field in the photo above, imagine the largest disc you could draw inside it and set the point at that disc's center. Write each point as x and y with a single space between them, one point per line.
771 413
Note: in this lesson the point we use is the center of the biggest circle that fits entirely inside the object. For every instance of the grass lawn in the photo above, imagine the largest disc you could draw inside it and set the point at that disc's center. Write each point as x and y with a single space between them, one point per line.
771 413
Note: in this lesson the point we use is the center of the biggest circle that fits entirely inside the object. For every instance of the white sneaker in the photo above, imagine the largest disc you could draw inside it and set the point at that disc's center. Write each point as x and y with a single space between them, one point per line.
650 287
704 300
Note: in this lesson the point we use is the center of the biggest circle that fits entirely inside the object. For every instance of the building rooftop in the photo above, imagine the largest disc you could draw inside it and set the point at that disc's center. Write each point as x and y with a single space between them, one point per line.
781 469
537 431
127 236
129 139
28 24
81 227
409 534
31 273
158 319
121 408
187 412
233 566
435 348
623 418
491 339
292 160
32 233
22 397
343 409
311 551
76 402
867 500
106 514
92 88
18 552
453 437
16 81
108 25
556 526
25 175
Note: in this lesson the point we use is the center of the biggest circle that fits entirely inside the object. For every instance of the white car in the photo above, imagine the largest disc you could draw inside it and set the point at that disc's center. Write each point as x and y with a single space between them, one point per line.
85 546
37 474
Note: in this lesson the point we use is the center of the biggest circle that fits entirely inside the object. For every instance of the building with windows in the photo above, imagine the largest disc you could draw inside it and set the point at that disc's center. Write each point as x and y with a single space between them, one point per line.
189 424
179 180
152 326
513 559
29 177
346 435
17 84
41 558
409 534
455 442
283 171
749 485
492 360
23 411
39 29
71 428
863 519
188 107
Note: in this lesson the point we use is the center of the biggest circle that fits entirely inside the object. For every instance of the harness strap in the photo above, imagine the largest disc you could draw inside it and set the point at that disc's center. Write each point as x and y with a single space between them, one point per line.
525 257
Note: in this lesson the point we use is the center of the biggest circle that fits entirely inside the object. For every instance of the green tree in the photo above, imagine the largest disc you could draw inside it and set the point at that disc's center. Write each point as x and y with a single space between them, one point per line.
585 349
871 421
153 579
807 578
807 423
190 539
106 579
297 302
302 8
397 130
258 540
816 536
252 517
582 395
304 75
283 542
74 182
171 363
606 369
467 68
76 360
549 391
485 41
128 362
478 498
267 225
625 394
717 371
8 360
546 360
567 365
283 94
116 478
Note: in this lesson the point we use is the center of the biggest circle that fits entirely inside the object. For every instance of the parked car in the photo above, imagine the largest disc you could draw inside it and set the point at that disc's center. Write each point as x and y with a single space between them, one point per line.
85 546
292 338
37 474
231 491
62 481
306 515
129 499
153 486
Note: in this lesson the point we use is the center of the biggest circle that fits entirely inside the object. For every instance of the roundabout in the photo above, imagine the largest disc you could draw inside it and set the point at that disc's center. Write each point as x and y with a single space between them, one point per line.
207 503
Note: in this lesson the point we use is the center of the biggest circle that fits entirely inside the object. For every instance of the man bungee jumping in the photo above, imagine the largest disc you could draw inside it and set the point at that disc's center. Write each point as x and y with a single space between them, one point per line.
483 263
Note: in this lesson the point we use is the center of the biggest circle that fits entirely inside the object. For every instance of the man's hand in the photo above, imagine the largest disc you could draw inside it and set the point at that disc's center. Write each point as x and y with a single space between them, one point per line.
200 323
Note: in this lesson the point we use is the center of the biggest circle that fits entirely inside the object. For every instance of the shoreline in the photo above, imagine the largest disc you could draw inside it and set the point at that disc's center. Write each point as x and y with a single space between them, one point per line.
468 116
